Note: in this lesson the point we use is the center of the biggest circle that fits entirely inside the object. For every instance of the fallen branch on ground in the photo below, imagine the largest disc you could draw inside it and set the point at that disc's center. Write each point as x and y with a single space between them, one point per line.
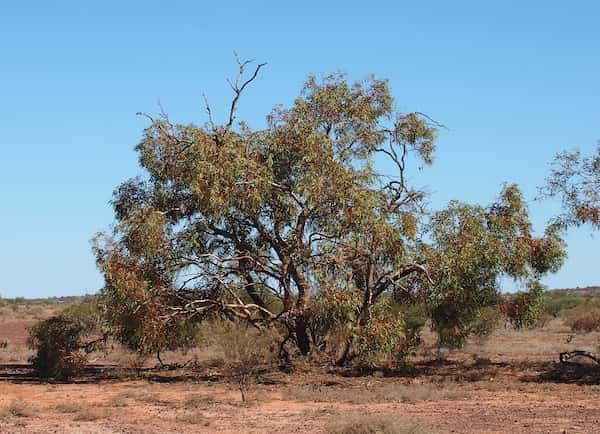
568 355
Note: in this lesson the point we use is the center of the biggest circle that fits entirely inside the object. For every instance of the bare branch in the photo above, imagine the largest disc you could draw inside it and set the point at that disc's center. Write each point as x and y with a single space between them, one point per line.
237 89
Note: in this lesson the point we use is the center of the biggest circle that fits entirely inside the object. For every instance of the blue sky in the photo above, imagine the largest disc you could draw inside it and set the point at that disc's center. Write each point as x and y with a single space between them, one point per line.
515 82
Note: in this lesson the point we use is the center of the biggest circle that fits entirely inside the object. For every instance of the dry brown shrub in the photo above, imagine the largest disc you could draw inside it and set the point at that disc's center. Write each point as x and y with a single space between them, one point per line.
83 412
113 402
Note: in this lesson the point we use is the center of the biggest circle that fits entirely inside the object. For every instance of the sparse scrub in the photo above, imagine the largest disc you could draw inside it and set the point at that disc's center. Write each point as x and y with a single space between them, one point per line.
116 402
148 398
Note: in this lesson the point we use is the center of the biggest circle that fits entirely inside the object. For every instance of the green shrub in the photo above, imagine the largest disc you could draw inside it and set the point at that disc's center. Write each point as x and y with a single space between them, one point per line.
58 344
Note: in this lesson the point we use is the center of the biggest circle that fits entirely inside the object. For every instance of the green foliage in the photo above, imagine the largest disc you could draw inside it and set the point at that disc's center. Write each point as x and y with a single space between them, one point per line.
391 331
58 344
288 211
138 325
486 322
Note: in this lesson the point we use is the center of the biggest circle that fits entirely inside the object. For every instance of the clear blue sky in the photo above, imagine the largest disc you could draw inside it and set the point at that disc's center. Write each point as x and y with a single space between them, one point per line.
514 81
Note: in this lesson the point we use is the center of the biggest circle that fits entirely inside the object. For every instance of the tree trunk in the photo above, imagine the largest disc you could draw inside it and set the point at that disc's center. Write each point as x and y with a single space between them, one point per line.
346 354
302 338
301 308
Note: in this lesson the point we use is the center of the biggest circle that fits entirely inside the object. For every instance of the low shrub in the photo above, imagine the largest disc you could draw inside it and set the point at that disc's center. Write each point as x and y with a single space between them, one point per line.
87 312
194 418
245 351
58 345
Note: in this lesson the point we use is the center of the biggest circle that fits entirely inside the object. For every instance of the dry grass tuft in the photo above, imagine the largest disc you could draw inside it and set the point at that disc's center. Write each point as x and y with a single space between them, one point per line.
410 393
117 401
373 424
149 398
199 402
68 407
18 409
83 412
194 418
91 414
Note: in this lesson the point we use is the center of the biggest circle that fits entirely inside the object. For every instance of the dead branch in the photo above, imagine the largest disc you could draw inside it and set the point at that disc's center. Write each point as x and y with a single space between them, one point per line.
238 89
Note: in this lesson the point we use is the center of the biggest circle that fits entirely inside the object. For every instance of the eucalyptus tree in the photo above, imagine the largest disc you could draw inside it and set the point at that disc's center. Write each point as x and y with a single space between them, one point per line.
254 224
